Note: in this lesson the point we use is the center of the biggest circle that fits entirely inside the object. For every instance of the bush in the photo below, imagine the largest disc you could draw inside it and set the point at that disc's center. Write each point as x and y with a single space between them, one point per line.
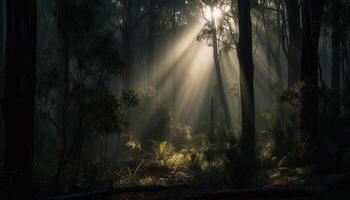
218 161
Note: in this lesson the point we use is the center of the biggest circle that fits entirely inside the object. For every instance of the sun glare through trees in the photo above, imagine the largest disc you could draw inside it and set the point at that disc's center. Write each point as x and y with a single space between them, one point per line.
174 99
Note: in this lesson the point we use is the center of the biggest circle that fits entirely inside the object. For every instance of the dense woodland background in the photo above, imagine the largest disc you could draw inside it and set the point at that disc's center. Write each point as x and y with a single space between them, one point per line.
217 94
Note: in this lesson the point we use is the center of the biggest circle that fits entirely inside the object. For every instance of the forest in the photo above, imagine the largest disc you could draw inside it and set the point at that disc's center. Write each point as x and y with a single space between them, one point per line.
174 99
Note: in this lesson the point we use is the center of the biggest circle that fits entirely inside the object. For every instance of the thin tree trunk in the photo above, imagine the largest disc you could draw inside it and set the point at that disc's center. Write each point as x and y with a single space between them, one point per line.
223 98
19 92
2 33
127 71
278 133
174 26
2 60
64 107
105 151
78 142
336 57
212 118
117 152
151 39
281 128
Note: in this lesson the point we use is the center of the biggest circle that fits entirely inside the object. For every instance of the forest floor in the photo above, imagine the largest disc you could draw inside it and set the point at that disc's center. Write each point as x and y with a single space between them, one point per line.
200 194
333 187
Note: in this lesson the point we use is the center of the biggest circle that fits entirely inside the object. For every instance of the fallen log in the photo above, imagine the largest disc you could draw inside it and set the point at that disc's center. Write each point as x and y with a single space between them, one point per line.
281 193
116 191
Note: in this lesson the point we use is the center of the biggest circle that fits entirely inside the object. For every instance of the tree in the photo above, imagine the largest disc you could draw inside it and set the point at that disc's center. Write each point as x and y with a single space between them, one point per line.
308 112
1 33
89 58
336 54
126 30
19 95
245 56
152 25
294 43
131 14
211 34
218 70
271 20
174 27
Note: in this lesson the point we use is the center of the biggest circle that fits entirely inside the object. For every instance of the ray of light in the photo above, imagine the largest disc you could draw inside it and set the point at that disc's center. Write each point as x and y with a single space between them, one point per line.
185 67
192 70
177 48
217 13
194 85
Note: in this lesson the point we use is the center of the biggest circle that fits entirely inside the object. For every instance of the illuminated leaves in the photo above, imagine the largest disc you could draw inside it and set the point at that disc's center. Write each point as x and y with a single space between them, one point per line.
227 33
134 144
292 96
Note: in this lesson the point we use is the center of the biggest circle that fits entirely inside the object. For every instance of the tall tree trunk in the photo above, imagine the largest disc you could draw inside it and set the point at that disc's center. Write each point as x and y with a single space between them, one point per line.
64 103
105 151
2 61
2 17
274 51
294 46
126 51
151 39
223 98
19 94
212 117
336 57
308 113
174 75
245 56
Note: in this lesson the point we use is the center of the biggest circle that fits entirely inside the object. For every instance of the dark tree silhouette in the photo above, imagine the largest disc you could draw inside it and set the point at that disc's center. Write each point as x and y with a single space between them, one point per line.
336 54
294 45
312 12
245 56
126 53
19 95
79 115
152 22
1 34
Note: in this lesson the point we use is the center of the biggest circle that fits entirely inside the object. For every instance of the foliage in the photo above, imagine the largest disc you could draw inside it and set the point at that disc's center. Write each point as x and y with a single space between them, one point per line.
292 96
225 26
131 177
288 176
134 144
267 157
161 152
78 60
151 118
217 162
180 134
79 64
108 112
149 180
